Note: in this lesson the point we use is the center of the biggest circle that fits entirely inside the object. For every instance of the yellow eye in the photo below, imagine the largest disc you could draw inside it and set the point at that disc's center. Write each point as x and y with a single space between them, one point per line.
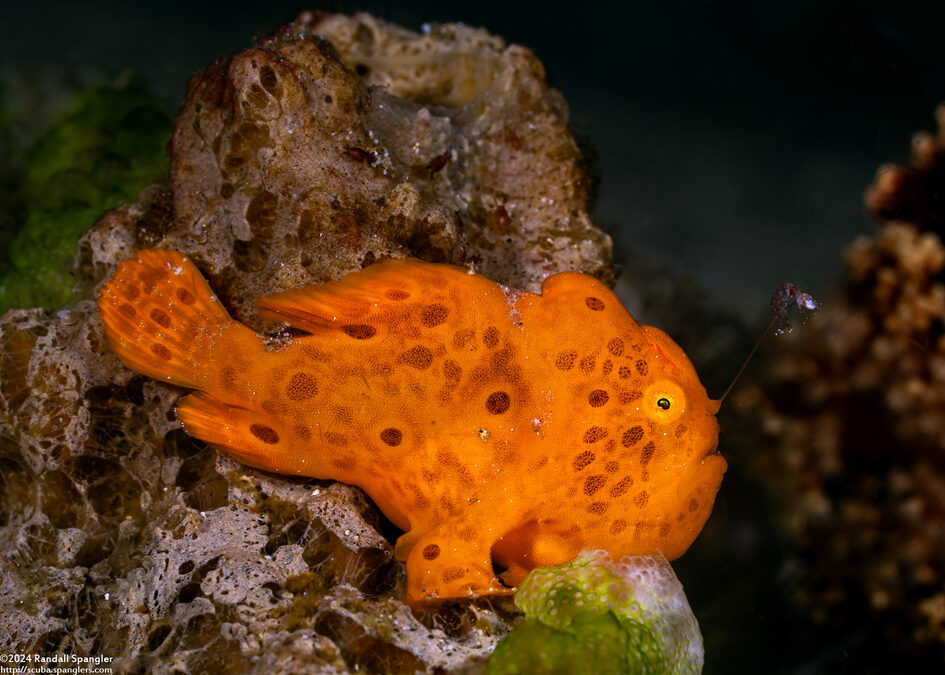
664 402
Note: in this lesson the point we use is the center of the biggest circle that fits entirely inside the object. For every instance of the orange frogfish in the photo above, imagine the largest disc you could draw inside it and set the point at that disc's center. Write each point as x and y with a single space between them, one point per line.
499 429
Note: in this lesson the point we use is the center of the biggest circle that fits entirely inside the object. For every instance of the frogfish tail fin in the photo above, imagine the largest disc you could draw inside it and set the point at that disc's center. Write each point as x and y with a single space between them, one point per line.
160 316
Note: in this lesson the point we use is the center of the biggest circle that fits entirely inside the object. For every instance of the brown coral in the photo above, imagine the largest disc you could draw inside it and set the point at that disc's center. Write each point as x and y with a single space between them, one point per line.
914 193
293 162
856 409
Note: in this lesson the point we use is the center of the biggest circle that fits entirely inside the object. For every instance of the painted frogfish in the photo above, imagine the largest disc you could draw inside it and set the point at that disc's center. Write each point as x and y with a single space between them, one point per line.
500 430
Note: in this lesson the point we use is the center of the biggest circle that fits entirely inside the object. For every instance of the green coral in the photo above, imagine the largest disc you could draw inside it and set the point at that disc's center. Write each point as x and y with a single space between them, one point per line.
109 144
594 615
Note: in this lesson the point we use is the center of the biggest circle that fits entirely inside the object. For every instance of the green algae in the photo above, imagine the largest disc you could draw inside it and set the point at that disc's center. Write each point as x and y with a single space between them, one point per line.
108 145
594 615
594 642
308 591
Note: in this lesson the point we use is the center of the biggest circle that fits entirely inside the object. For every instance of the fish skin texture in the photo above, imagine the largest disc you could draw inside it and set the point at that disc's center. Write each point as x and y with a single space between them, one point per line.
501 430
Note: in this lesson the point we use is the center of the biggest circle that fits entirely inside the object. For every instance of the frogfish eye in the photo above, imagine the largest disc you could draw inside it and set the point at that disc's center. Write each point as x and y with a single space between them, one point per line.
664 402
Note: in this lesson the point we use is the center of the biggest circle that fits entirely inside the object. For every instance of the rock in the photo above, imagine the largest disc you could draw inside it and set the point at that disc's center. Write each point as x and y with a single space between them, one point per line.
292 163
289 169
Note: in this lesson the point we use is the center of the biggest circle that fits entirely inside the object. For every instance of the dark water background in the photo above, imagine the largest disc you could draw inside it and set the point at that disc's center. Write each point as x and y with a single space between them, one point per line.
733 141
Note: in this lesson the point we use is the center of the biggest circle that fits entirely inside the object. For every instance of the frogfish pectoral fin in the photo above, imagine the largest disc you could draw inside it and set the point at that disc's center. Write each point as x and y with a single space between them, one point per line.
534 544
444 564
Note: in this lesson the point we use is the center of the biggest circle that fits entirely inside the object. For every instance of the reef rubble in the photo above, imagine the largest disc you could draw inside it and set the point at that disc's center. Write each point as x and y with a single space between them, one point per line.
333 143
853 411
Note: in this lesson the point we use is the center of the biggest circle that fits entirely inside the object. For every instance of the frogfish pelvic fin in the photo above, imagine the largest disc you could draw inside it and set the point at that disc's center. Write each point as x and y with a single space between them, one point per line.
501 430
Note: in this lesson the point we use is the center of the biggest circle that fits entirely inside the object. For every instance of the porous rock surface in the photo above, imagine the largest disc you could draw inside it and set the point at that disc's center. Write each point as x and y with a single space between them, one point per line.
289 168
336 142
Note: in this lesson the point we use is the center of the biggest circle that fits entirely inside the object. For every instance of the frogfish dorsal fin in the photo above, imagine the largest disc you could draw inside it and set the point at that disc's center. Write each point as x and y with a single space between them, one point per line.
361 298
578 293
